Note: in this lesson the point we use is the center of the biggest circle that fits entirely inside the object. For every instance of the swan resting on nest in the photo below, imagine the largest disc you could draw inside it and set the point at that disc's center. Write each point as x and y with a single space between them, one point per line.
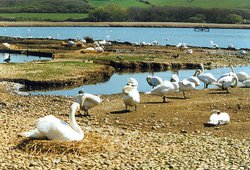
87 101
218 118
55 129
131 95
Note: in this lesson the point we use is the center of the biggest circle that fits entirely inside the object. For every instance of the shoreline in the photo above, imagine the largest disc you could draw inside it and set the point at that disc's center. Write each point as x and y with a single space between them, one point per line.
124 24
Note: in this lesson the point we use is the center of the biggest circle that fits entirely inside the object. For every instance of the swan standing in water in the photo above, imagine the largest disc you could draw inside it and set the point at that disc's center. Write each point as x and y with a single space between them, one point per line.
87 101
154 80
218 118
227 81
206 78
131 95
55 129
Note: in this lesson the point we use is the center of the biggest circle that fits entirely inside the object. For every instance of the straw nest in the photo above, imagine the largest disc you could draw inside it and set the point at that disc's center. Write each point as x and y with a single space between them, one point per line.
92 143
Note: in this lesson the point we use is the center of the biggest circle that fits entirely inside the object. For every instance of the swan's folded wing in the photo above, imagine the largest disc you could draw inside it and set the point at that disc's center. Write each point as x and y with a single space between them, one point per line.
54 128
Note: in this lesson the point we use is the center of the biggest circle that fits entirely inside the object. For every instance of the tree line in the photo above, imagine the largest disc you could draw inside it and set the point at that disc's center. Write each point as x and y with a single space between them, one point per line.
44 6
167 14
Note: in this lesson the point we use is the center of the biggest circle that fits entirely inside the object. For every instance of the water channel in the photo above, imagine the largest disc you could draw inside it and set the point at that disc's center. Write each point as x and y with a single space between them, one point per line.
118 80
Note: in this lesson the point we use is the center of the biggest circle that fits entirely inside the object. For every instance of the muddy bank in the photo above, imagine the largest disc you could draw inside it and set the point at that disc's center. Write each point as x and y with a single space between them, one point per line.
123 24
28 52
138 66
90 78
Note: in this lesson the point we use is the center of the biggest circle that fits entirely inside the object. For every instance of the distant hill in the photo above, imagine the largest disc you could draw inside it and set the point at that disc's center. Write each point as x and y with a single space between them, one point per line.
44 6
223 4
83 6
206 11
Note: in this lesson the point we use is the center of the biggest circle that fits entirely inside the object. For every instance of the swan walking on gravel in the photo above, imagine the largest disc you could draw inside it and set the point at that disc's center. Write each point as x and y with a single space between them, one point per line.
227 81
87 101
55 129
218 118
206 78
184 85
163 89
131 95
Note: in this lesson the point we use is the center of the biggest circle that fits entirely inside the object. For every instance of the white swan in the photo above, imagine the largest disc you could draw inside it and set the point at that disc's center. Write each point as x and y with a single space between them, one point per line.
194 79
184 85
218 118
246 83
214 45
6 57
206 78
131 95
87 101
55 129
227 81
228 74
154 80
242 76
163 89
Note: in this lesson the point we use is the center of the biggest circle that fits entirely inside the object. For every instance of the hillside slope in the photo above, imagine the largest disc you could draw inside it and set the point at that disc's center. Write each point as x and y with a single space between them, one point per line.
46 6
80 6
223 4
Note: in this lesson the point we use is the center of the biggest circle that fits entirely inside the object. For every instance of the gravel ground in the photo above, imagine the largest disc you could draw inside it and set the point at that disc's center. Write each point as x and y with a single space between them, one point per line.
157 136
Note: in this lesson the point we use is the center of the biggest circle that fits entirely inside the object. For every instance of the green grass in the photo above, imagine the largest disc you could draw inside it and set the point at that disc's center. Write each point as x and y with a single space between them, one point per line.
122 3
43 16
48 71
224 4
228 4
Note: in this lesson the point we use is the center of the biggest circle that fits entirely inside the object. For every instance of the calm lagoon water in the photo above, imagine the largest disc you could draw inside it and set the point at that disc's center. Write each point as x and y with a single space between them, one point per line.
118 81
240 38
19 58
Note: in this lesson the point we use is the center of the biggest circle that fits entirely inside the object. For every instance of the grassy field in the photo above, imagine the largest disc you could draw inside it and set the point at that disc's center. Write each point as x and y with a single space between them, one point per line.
48 71
224 4
123 3
43 16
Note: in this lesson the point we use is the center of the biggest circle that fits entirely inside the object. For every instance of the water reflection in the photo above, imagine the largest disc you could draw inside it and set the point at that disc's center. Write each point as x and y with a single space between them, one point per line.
118 80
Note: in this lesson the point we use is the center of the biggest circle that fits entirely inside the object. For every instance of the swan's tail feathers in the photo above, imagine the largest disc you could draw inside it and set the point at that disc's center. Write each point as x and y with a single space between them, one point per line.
149 92
32 134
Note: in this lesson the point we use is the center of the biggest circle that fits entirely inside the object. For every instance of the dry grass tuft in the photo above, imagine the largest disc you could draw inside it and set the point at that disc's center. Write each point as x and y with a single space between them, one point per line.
92 143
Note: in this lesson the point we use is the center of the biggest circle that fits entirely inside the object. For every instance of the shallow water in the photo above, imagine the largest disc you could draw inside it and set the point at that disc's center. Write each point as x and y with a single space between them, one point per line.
118 81
240 38
19 58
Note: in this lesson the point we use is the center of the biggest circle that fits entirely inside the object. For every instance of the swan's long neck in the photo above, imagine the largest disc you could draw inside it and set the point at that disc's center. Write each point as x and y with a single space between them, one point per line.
202 69
232 68
72 120
197 72
236 81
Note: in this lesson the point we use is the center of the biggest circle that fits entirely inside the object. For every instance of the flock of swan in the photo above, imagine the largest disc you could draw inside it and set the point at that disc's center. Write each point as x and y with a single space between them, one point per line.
55 129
